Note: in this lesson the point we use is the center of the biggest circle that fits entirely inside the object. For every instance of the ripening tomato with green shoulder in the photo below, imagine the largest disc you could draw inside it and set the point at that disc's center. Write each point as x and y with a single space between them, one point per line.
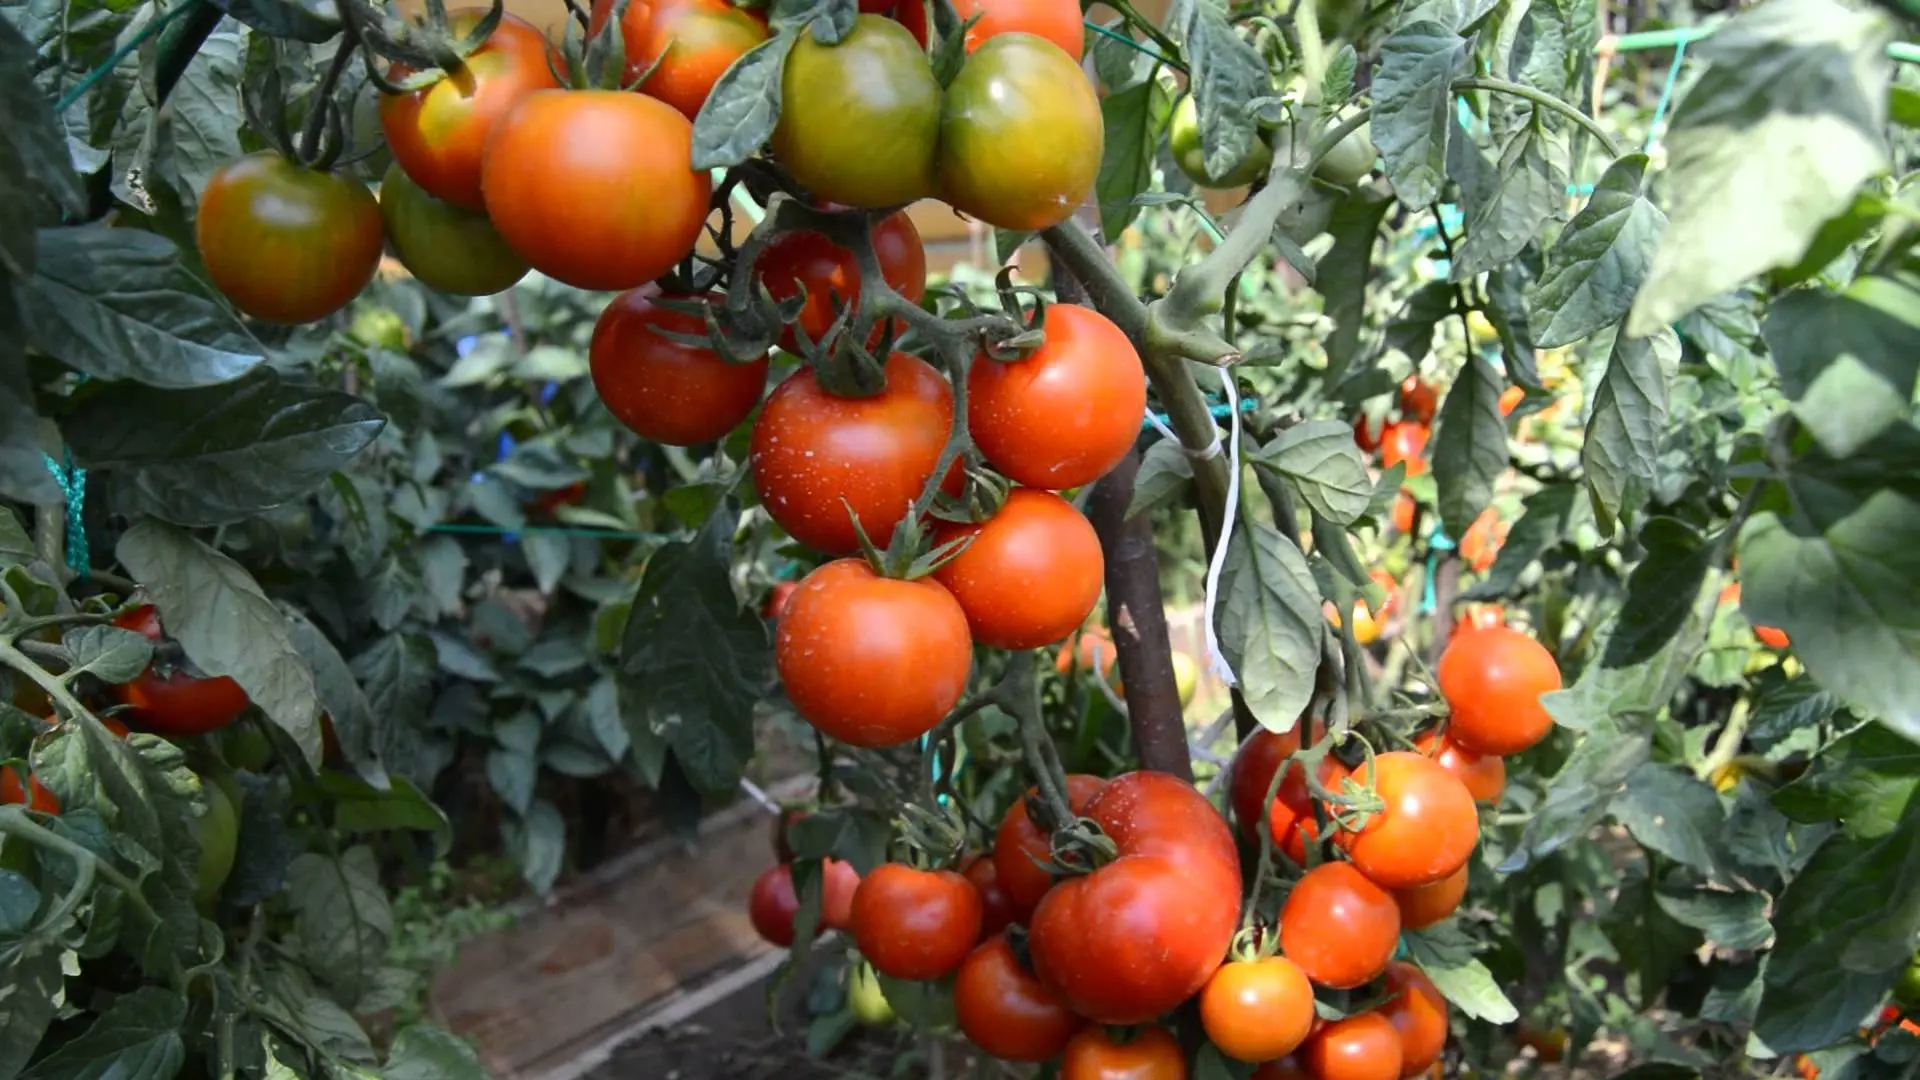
1065 414
1362 1047
1339 926
1019 841
666 390
681 46
916 924
1059 21
1020 134
869 660
1004 1009
1492 680
438 134
1150 1053
1426 829
860 121
287 244
594 188
806 263
1030 574
176 702
816 457
32 794
446 248
1190 153
1423 905
1257 1010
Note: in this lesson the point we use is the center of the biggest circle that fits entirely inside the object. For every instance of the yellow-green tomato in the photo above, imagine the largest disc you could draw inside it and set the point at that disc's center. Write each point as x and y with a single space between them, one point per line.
1188 152
1352 160
1186 677
1020 134
860 122
447 248
218 831
865 998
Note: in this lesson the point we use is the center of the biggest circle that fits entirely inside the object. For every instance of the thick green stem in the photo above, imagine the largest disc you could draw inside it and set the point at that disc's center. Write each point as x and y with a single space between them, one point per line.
1021 696
56 688
1544 100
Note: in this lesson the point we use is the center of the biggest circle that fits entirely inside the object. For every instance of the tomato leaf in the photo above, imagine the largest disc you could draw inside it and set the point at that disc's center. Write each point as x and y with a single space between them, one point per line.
1547 518
1600 260
16 547
340 917
265 849
1849 361
1670 811
1469 449
1226 75
197 134
1322 462
396 673
1411 331
512 774
137 1037
538 844
215 609
1654 947
425 1052
34 163
30 969
739 115
1786 707
1269 623
1446 955
1801 84
1629 418
1577 796
1134 119
1661 590
311 21
1864 781
1413 106
1731 920
1342 274
1166 475
1506 308
1528 193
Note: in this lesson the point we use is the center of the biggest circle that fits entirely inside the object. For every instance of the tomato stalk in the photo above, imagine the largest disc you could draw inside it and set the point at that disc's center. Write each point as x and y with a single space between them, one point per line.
1019 694
87 865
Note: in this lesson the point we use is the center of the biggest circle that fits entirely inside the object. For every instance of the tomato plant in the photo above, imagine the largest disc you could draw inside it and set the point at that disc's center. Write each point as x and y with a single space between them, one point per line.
807 264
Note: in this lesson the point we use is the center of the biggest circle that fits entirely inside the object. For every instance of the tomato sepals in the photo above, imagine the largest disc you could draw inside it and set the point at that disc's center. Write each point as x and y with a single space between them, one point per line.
1081 847
933 839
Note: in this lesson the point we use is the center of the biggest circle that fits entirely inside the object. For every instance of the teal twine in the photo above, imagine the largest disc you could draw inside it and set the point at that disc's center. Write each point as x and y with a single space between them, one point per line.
496 530
1218 411
73 486
1134 45
79 89
1437 542
1666 94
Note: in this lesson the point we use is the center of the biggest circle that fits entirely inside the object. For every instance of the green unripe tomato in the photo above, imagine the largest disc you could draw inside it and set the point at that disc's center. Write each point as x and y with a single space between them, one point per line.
866 999
1906 991
1351 161
218 831
245 746
1188 152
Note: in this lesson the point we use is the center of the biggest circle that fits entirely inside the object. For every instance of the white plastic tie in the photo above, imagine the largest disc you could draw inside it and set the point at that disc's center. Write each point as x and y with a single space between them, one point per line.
1216 660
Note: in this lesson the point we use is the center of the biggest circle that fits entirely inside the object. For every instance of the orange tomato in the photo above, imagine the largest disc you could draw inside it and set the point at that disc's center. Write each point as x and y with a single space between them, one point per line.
688 44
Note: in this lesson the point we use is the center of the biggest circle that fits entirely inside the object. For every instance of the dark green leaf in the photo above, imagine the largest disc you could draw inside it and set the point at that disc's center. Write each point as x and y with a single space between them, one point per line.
1413 106
1793 82
1507 310
1730 920
1637 690
311 21
199 135
1848 362
30 970
1321 460
1225 75
1344 271
136 1038
1411 331
1134 118
1810 1013
1727 326
1788 707
1654 946
216 454
108 653
739 115
1578 794
116 304
1672 812
1546 519
360 807
1839 233
512 774
1529 193
1661 591
1629 420
34 163
1269 623
1166 474
215 609
1865 781
1469 449
265 850
16 547
1465 982
340 917
359 732
396 673
1601 258
425 1052
538 844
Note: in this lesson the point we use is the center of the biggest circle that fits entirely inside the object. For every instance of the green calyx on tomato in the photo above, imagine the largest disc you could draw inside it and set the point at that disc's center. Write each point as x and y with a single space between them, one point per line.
1183 137
1021 134
447 248
286 243
666 390
860 121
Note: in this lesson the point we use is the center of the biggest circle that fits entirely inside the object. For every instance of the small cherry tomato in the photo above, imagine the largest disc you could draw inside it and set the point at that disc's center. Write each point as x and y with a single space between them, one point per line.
1484 774
997 909
1418 399
1257 1010
1419 1014
1059 21
33 794
1005 1011
1423 905
665 390
1492 680
287 244
1090 650
1151 1054
1064 415
1018 842
839 881
872 661
1366 433
805 263
1339 926
1405 508
1021 134
1031 574
1427 829
915 924
681 46
1363 1047
1404 441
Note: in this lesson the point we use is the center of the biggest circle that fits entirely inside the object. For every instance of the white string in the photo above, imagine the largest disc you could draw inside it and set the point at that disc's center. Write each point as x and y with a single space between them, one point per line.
1160 426
1217 661
753 792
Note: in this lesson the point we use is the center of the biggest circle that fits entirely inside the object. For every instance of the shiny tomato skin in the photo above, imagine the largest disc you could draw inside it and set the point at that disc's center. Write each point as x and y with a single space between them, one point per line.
1427 830
1405 441
773 904
287 244
1484 775
804 263
1291 820
1031 574
997 909
1339 926
1005 1011
177 703
1772 636
446 248
777 599
872 661
439 134
1151 1054
810 450
594 187
1020 134
1418 1014
34 795
839 883
1252 773
1145 932
1363 1047
1019 841
1424 905
1257 1010
685 44
1057 21
1492 680
1064 415
860 120
1418 399
661 389
915 924
912 14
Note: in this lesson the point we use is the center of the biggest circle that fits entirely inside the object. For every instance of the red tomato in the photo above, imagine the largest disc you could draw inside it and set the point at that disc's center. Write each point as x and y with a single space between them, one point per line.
1018 842
1366 434
912 14
175 703
1056 20
1291 820
839 882
594 187
773 905
1418 1014
1031 575
997 909
1418 399
662 390
811 450
687 44
287 244
807 263
1290 1067
1423 905
1151 1054
438 135
33 795
1175 888
1406 442
1253 767
872 661
1484 775
1492 680
915 924
1090 650
1363 1047
1005 1011
1067 413
1339 926
1427 830
1483 539
777 599
1257 1010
